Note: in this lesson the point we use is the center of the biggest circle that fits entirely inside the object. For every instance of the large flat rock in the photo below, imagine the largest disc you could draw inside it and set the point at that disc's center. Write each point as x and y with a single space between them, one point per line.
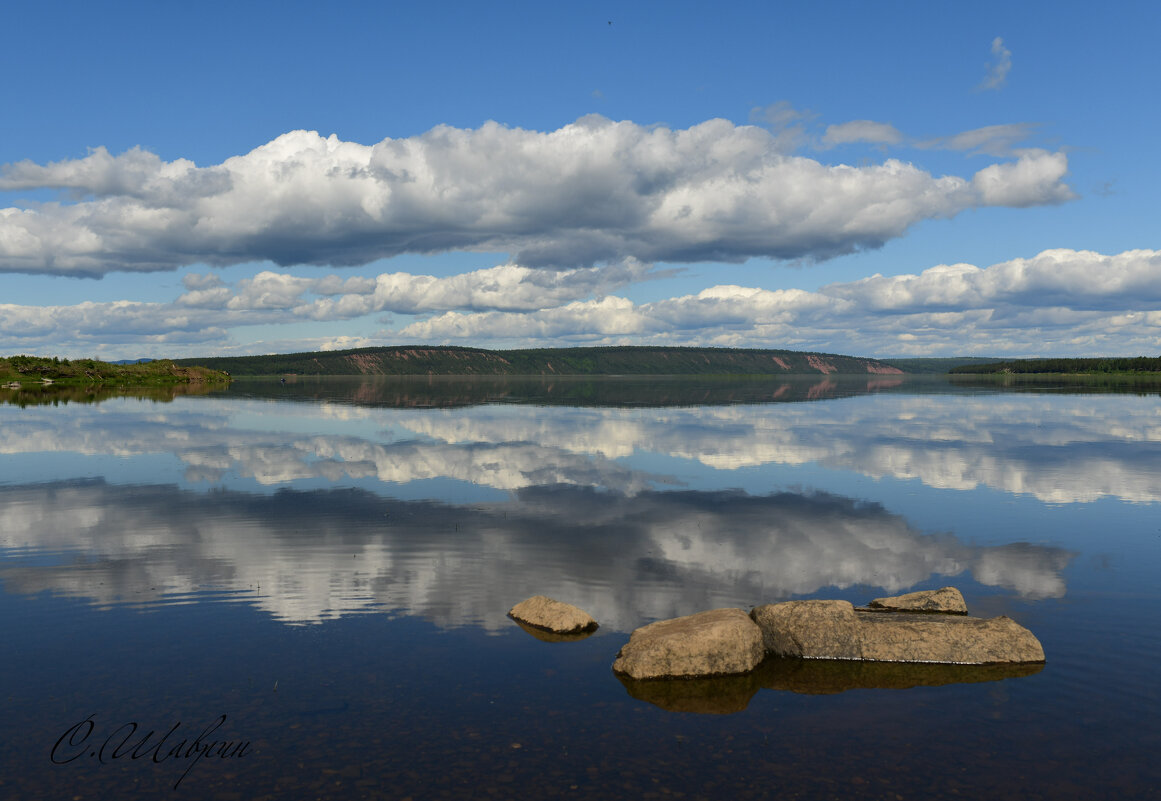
952 639
719 642
836 630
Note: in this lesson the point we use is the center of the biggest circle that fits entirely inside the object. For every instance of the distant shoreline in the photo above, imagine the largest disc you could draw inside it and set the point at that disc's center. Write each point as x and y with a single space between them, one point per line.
448 360
1094 367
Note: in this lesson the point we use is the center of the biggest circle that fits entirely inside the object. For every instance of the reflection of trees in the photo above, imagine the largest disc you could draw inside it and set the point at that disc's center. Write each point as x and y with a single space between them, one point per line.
624 558
56 394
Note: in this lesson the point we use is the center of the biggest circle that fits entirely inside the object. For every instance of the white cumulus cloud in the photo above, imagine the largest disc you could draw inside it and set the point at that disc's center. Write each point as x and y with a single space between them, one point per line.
593 191
1057 302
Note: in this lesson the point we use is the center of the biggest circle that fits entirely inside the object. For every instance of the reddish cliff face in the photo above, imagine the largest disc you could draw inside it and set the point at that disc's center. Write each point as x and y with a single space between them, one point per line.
364 362
883 369
820 364
376 363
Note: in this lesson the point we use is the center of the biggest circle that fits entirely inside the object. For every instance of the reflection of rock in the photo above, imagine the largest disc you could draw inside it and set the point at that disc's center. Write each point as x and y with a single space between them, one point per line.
724 695
947 600
717 695
714 643
727 694
834 630
828 676
549 636
551 615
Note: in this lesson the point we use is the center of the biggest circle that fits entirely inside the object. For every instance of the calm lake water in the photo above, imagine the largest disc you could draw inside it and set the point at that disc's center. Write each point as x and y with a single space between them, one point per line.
329 564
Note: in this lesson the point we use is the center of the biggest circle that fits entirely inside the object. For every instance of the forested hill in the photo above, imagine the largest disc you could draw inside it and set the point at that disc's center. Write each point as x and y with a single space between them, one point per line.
449 360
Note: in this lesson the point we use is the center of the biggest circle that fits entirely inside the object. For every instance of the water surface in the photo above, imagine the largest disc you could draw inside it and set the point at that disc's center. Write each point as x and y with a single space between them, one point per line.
329 564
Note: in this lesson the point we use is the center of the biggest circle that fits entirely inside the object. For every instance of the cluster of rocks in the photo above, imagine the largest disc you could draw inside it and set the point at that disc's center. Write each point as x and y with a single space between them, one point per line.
930 626
924 627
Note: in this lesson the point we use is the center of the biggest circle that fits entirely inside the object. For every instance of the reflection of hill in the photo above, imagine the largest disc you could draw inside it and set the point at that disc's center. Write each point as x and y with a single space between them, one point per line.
625 559
410 392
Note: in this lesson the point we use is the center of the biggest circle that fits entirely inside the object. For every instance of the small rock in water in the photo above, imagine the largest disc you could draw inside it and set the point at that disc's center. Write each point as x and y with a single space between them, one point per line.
547 614
947 600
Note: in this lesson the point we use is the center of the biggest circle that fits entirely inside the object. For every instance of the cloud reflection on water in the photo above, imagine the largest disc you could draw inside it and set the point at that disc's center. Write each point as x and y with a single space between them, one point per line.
1070 449
307 556
1058 449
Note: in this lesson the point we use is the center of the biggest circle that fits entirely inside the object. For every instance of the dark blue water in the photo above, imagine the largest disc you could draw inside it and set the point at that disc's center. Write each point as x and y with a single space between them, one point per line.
329 566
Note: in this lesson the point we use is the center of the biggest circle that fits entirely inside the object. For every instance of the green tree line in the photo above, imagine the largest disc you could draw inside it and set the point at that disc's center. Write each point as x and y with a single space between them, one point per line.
1136 364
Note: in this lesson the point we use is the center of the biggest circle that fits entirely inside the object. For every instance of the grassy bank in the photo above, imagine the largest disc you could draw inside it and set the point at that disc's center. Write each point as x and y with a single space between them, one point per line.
28 371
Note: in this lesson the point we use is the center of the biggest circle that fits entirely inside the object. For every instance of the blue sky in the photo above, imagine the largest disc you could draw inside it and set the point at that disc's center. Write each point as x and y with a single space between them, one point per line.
888 179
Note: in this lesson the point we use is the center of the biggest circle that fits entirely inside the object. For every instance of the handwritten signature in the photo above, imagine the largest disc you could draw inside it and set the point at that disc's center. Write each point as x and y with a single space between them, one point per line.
77 742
